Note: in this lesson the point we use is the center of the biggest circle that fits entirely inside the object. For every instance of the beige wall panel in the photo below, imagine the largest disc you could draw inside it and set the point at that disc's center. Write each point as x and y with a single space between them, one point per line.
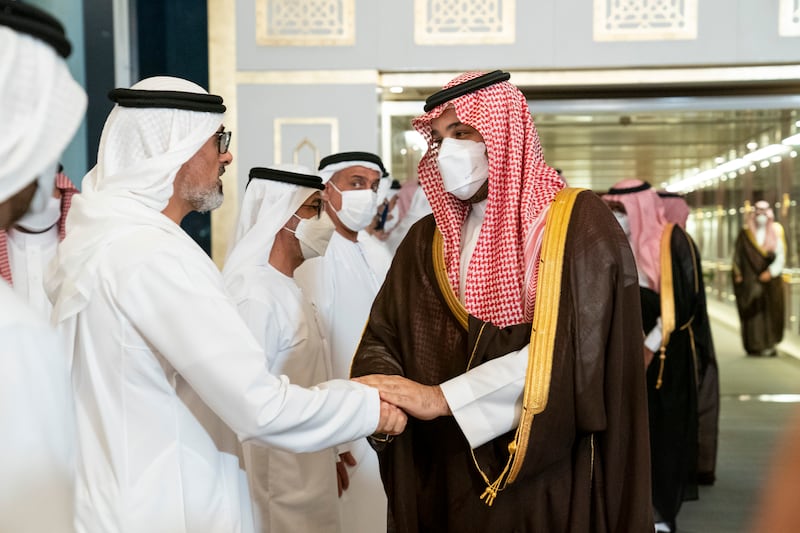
645 20
305 22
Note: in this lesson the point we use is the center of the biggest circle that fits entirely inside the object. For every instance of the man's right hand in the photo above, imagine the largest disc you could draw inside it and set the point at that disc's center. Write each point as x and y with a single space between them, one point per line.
424 402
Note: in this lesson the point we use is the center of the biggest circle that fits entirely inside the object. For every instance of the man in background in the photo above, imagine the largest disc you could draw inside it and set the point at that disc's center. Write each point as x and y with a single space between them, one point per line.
42 106
27 249
282 222
678 348
758 260
342 285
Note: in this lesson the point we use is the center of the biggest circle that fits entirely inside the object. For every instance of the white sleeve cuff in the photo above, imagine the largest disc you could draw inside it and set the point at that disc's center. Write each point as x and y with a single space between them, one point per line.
486 401
653 339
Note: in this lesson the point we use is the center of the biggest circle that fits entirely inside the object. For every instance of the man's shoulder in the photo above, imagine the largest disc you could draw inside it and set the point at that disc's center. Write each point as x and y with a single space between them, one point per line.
420 233
590 212
267 285
151 257
153 245
422 228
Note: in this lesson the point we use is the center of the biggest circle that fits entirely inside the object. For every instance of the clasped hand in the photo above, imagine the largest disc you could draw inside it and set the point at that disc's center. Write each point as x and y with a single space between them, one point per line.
400 397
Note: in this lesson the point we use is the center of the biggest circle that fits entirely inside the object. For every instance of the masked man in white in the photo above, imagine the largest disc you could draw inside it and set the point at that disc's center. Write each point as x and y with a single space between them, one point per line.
282 223
41 107
342 285
28 248
142 307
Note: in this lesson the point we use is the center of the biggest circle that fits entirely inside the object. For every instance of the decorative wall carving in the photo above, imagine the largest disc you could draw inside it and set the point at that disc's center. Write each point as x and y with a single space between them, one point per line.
789 18
464 22
303 140
305 22
645 20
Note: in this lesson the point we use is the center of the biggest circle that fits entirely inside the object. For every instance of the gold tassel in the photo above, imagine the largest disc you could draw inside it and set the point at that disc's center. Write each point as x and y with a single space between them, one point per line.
661 356
492 489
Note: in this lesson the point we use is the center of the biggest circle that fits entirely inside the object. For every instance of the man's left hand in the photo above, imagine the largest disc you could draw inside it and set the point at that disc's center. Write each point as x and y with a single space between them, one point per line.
343 479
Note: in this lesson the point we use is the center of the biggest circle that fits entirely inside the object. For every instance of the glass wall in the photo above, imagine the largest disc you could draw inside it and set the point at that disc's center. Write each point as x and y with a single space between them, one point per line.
721 204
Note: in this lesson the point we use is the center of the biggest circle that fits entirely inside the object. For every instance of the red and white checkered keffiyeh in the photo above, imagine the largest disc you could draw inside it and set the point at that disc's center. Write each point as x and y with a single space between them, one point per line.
521 186
67 188
771 236
645 212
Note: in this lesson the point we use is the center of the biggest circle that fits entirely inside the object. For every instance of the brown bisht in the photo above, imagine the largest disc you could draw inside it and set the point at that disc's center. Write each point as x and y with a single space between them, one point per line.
680 424
760 304
587 465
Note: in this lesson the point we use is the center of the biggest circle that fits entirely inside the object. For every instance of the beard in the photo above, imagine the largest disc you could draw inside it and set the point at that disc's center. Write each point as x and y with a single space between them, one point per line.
203 199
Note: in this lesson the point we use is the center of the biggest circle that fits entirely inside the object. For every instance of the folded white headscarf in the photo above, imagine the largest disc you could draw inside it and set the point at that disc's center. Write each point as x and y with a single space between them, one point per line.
141 151
41 107
266 207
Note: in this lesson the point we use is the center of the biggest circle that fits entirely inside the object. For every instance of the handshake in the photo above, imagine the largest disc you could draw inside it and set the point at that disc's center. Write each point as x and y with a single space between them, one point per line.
401 397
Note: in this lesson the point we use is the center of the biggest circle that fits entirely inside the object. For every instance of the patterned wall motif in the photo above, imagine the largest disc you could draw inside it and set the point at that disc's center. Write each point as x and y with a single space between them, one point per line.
789 16
645 20
464 22
305 22
304 140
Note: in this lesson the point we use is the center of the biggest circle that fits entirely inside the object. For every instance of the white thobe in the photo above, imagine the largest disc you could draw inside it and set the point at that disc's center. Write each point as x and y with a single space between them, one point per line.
29 255
419 208
486 401
37 447
342 285
158 311
291 492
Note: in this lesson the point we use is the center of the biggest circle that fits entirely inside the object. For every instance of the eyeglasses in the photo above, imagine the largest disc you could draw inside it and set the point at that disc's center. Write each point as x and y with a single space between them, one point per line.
223 141
315 207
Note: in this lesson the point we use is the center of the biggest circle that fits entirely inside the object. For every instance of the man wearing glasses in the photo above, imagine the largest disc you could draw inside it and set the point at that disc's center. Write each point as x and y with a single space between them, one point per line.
281 224
144 313
342 286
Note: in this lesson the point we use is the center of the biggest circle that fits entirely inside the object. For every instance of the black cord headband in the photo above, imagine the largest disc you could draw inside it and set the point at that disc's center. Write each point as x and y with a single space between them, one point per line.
33 21
470 86
343 157
639 188
273 174
210 103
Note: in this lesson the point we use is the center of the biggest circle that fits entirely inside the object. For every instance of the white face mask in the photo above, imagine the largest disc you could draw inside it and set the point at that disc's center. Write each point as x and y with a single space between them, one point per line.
42 220
45 183
464 167
314 234
761 219
622 218
358 208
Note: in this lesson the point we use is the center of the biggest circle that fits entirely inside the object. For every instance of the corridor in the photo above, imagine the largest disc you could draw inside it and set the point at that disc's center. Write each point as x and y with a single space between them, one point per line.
751 419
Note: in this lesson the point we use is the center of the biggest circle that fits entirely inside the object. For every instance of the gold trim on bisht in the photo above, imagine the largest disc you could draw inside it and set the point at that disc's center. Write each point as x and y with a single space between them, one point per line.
667 299
543 336
440 268
779 234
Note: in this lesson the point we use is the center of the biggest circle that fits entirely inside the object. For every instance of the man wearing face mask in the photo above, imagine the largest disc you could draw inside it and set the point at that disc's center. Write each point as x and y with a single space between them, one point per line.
516 298
27 249
41 106
678 332
758 260
282 223
676 210
342 285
